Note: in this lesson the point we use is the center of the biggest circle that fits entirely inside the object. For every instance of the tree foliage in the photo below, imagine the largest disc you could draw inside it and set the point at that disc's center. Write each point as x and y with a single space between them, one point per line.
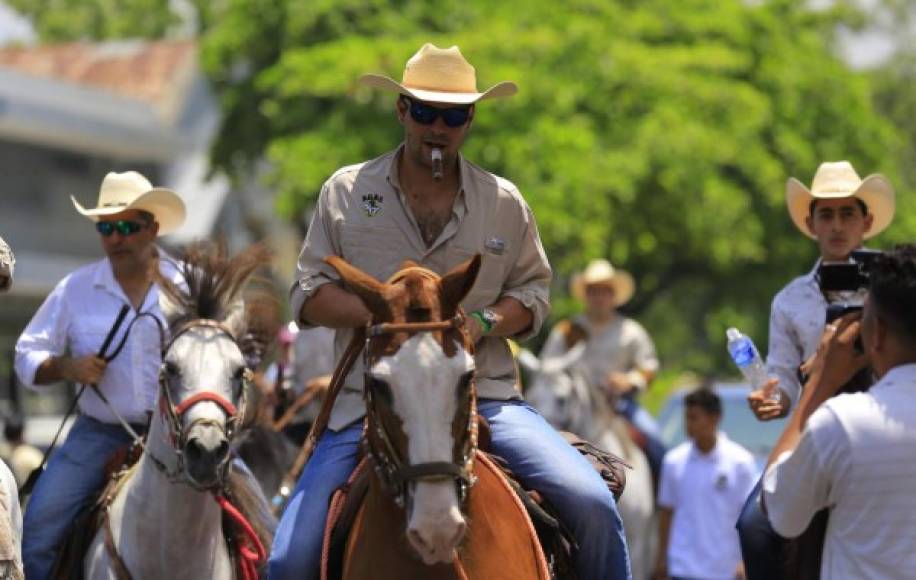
73 20
658 134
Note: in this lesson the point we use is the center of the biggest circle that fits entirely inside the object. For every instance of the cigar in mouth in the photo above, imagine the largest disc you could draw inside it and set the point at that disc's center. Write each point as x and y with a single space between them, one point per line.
437 163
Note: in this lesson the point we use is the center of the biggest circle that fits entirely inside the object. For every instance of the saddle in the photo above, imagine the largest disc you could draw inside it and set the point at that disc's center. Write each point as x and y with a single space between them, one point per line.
557 542
69 562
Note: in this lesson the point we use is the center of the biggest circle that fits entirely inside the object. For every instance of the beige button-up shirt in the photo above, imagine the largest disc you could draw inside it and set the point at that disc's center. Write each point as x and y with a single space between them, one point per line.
363 217
621 346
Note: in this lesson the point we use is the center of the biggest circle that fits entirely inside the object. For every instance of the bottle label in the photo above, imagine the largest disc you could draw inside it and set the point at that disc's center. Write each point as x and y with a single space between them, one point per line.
743 354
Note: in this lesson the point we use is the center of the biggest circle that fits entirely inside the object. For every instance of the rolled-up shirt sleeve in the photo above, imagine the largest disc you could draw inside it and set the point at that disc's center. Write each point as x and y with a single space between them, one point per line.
801 482
783 356
529 278
44 337
311 270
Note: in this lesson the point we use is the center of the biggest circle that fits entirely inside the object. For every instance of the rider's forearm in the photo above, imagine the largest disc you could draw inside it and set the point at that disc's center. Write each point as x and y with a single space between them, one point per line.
52 370
334 307
514 317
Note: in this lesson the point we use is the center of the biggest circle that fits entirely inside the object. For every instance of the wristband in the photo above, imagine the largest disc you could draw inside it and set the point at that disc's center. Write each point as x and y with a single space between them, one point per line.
484 323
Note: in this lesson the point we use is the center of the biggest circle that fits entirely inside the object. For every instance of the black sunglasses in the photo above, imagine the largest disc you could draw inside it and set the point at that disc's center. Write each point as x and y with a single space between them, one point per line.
123 227
427 114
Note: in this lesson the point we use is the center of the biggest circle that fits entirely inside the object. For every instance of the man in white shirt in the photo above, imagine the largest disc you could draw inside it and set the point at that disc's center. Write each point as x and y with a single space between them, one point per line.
63 342
839 211
704 483
856 453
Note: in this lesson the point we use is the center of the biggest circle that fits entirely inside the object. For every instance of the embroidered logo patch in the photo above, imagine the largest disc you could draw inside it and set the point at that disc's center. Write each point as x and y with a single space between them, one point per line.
373 203
496 245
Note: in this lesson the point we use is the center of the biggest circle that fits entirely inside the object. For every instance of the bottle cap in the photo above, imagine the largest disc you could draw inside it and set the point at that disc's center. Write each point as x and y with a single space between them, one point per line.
733 333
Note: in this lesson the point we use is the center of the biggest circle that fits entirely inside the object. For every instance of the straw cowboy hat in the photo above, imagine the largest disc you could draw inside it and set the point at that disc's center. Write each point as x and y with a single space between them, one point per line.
130 190
6 266
601 272
835 180
440 75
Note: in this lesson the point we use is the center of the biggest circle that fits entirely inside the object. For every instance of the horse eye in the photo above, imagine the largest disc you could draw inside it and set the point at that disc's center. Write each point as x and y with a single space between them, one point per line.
240 373
170 369
381 389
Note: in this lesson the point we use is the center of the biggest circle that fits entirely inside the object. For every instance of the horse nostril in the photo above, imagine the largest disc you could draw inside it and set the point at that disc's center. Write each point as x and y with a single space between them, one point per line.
194 451
417 540
222 450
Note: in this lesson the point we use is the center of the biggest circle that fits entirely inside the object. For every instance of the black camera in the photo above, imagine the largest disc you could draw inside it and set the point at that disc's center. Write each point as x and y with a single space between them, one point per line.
844 283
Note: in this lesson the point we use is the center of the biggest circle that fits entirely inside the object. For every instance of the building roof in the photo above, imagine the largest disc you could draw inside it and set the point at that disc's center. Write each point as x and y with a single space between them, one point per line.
155 72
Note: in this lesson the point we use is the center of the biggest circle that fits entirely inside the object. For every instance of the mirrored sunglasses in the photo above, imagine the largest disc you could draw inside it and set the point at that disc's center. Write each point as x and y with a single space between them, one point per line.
427 114
123 227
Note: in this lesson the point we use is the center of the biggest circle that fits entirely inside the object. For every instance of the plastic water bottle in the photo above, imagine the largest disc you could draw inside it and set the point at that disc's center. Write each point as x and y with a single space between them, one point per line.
747 358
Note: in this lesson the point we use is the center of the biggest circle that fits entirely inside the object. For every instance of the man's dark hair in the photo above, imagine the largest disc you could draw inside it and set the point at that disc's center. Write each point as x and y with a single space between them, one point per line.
13 426
892 290
706 399
862 205
147 217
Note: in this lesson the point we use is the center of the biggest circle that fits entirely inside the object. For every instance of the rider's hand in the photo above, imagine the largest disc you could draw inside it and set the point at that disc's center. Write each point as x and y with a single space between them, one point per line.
837 359
87 370
765 409
618 384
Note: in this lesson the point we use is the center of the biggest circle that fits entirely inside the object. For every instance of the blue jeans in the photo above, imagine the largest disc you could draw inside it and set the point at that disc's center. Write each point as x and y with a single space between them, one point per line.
534 451
761 546
73 475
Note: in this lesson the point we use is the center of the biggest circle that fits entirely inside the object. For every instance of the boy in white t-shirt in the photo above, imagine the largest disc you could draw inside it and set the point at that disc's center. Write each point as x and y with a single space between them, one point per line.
704 483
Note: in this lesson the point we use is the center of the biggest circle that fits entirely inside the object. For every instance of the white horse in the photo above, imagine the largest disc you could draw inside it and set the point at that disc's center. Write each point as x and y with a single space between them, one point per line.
561 392
165 521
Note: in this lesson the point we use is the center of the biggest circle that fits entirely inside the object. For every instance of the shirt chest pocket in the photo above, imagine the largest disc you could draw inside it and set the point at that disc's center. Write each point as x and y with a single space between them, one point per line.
490 280
374 250
89 332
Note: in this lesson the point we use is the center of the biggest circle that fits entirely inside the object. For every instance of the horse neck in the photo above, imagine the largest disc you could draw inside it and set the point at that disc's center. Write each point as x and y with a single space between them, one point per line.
177 520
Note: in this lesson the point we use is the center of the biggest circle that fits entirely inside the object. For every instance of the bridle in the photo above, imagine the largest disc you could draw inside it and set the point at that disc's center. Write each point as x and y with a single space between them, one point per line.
394 471
173 414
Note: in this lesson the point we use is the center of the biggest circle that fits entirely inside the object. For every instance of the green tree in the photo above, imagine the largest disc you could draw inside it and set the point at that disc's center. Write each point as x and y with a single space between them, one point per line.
72 20
656 133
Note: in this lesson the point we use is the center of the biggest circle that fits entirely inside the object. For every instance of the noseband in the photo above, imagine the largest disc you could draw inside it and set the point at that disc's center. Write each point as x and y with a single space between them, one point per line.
393 471
174 414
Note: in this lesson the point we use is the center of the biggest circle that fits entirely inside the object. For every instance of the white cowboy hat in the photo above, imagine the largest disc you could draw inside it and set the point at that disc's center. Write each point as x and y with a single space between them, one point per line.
838 179
602 272
130 190
440 75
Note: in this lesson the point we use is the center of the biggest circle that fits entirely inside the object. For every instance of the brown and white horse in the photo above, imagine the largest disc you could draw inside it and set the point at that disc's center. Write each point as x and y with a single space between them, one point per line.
430 484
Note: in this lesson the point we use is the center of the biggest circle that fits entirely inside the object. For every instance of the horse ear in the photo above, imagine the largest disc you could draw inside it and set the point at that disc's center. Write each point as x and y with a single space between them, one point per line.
457 283
370 290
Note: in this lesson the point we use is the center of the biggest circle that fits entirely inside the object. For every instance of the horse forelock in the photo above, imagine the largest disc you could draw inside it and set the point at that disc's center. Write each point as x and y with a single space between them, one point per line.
213 281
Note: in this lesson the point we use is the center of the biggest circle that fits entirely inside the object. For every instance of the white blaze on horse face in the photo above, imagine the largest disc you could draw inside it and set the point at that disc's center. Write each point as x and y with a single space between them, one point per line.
423 382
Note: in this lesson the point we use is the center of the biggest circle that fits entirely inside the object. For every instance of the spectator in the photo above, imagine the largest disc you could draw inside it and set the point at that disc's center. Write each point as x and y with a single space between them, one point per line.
22 457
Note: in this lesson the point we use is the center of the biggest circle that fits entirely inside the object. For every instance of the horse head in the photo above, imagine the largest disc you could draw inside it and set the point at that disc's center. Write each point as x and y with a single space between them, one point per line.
420 397
560 390
204 376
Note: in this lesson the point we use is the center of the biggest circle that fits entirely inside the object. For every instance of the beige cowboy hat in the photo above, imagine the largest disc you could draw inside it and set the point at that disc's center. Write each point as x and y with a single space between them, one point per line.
130 190
602 272
7 261
838 179
440 75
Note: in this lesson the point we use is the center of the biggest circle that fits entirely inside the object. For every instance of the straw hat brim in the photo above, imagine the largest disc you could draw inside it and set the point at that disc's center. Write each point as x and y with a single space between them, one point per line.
166 205
622 282
875 190
499 90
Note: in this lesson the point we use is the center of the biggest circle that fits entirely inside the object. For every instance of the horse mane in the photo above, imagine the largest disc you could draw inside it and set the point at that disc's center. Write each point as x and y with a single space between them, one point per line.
247 496
213 280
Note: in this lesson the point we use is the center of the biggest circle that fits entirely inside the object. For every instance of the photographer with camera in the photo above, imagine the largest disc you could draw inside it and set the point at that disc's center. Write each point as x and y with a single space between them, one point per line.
839 211
856 453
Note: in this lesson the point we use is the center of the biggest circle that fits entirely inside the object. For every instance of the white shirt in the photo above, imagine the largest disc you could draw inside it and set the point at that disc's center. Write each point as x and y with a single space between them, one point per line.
706 493
856 456
76 317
